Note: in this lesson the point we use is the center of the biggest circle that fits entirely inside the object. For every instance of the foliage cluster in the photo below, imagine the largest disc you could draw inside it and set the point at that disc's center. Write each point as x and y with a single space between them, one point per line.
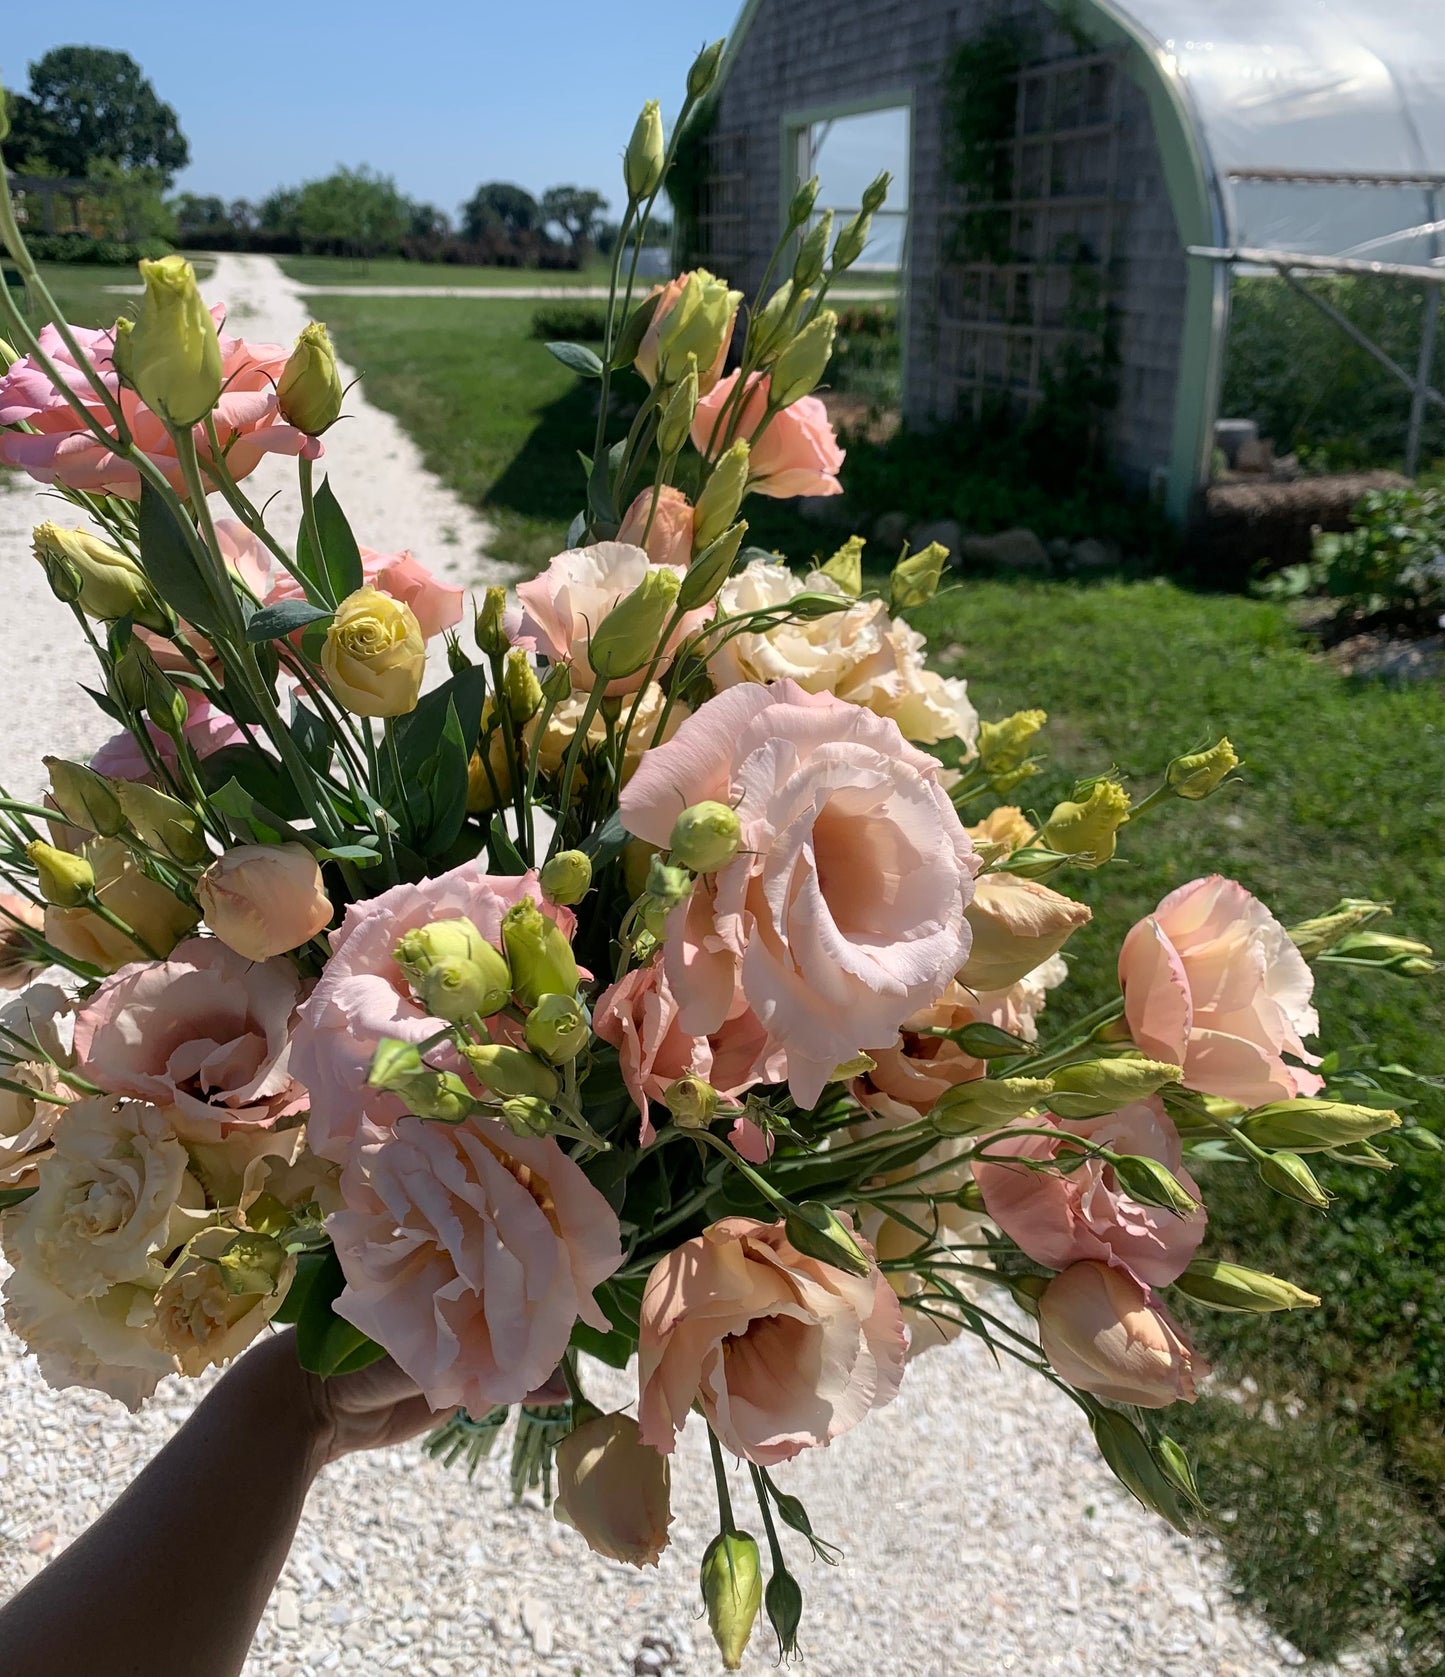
89 105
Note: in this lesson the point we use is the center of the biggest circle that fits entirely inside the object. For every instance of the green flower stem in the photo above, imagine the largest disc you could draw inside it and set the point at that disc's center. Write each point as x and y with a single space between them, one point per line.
114 921
719 1472
512 740
305 474
217 470
609 340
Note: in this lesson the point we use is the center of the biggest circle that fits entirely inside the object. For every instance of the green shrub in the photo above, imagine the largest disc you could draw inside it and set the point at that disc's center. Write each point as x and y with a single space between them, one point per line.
99 253
574 323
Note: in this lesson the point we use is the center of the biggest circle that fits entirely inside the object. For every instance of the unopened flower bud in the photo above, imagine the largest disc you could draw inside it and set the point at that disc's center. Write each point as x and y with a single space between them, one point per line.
1289 1175
703 70
557 1028
613 1488
566 877
722 495
1128 1454
455 973
1404 957
876 192
1092 1088
982 1041
1314 1126
705 837
988 1103
667 886
802 203
398 1068
699 324
846 566
527 1115
1003 746
541 958
143 687
1225 1286
777 321
252 1263
110 585
175 353
732 1590
65 880
557 683
520 684
813 252
491 636
1202 772
1314 937
163 822
121 356
642 161
915 580
710 568
692 1101
1151 1183
852 241
509 1072
783 1599
817 1231
9 355
803 362
677 416
85 798
1087 829
630 634
309 393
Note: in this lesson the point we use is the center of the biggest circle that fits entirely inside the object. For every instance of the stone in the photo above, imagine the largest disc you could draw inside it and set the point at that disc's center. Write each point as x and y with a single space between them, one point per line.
1019 551
890 531
288 1610
947 532
1091 554
1059 548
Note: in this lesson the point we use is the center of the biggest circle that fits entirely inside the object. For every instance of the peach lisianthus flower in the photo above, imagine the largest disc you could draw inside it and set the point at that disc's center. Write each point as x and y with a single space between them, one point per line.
40 1015
843 911
797 453
1212 983
1017 925
1106 1333
669 541
471 1254
614 1489
58 448
264 899
782 1351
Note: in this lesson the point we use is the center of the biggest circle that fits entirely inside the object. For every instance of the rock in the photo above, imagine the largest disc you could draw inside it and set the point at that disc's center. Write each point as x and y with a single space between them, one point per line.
288 1610
947 532
1091 555
890 530
538 1623
1059 548
1019 551
833 512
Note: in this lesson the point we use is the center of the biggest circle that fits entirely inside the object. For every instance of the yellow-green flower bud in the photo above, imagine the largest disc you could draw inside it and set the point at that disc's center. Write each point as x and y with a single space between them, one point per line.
846 566
703 71
439 1096
803 362
85 798
699 324
509 1072
1314 937
813 252
1314 1126
1151 1183
1087 830
630 634
1005 782
557 1028
490 634
527 1115
722 495
915 580
1092 1088
1403 956
455 973
705 837
557 683
1003 746
175 353
692 1101
541 957
1224 1286
667 886
732 1590
143 687
777 321
1128 1454
65 880
852 241
802 203
520 684
817 1231
675 426
1288 1174
309 394
711 568
1202 772
988 1103
163 822
9 355
252 1263
642 161
111 586
566 877
121 356
876 192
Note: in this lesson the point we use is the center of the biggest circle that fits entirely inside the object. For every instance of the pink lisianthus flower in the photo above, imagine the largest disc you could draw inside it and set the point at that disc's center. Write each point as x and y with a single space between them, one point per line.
207 730
638 1016
437 605
470 1254
1107 1333
362 995
797 454
1212 983
59 448
204 1036
669 540
1059 1219
842 913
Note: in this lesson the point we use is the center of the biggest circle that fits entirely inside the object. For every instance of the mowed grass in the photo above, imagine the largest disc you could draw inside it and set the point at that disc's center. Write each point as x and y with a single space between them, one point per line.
393 270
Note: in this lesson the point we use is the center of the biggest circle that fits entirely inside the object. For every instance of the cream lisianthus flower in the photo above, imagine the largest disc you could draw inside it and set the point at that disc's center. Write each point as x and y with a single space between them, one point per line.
551 743
198 1320
40 1016
375 655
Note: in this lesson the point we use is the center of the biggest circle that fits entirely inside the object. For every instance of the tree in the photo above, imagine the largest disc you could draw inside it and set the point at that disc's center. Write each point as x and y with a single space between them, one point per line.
356 210
575 209
196 214
497 205
428 222
89 105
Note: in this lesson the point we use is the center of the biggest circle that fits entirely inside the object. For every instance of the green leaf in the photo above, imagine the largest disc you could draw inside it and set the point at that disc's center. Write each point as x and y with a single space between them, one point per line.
606 843
579 358
340 555
312 736
249 819
15 1196
260 775
325 1344
170 561
615 1348
271 623
434 746
506 858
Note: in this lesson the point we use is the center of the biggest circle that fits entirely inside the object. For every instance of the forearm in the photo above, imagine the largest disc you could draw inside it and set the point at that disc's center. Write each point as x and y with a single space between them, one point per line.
171 1581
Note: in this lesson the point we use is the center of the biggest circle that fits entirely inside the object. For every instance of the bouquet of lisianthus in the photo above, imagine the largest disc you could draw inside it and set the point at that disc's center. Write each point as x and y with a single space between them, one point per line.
664 980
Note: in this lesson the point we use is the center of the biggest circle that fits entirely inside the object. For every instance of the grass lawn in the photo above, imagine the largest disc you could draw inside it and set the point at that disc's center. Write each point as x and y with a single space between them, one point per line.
82 291
392 270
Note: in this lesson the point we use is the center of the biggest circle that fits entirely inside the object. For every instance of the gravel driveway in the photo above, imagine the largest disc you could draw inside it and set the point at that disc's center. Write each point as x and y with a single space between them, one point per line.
981 1532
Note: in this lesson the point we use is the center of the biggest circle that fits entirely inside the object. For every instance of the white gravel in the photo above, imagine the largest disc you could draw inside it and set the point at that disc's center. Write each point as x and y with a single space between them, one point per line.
981 1532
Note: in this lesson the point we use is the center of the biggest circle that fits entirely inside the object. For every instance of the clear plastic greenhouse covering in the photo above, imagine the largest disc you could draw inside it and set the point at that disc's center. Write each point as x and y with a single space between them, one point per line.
1321 121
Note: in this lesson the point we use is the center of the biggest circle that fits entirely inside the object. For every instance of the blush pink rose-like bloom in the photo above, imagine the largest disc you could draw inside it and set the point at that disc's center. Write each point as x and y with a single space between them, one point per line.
669 541
437 605
1085 1215
564 605
638 1016
207 730
362 995
797 454
470 1254
842 913
1212 983
204 1036
646 361
1106 1333
782 1351
60 449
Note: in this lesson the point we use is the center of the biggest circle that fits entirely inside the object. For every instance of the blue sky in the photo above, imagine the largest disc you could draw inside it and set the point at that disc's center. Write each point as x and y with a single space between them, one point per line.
441 94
